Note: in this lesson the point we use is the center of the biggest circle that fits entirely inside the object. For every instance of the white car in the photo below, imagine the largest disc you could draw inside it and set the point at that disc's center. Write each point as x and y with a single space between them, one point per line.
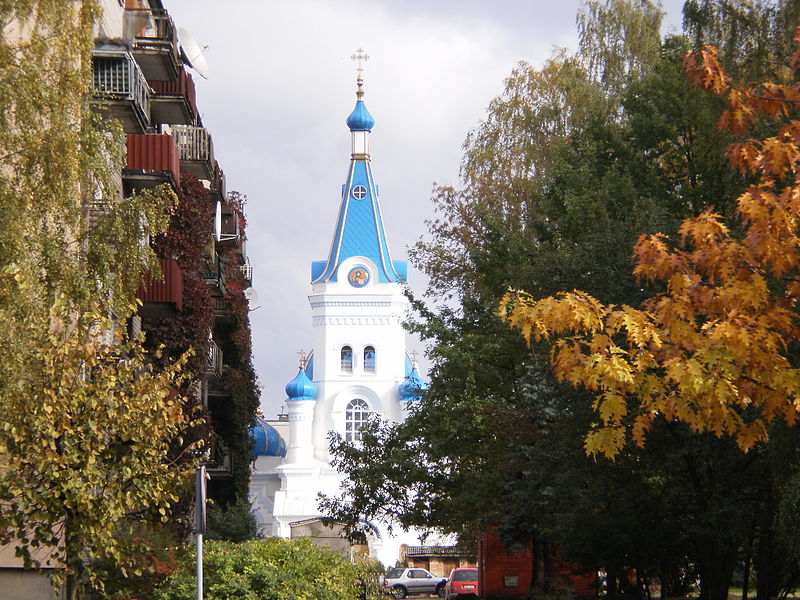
401 582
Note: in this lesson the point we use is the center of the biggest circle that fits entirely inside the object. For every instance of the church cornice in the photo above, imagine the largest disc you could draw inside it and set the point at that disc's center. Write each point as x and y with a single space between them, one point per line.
350 321
355 303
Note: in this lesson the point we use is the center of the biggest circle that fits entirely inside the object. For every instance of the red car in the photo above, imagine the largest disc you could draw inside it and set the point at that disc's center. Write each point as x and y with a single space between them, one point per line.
462 583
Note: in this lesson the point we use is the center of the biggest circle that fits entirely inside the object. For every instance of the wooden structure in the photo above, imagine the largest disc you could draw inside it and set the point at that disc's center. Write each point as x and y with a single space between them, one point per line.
439 560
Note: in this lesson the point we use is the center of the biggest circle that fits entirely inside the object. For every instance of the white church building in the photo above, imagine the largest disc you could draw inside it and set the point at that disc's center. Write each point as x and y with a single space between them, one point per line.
359 365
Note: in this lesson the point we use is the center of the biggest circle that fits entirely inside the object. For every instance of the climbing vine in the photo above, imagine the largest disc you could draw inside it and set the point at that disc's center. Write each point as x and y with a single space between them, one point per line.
240 377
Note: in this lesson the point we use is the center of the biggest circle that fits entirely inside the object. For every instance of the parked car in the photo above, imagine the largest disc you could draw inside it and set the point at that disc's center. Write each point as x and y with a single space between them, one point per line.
462 583
401 582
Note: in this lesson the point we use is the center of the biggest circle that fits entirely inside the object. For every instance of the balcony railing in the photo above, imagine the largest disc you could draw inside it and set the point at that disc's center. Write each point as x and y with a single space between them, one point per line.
175 101
230 230
247 270
155 42
214 360
152 160
219 463
161 295
218 184
214 274
118 80
196 150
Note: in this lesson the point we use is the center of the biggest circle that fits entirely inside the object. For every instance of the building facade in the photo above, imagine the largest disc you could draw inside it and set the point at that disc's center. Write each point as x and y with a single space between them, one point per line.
142 79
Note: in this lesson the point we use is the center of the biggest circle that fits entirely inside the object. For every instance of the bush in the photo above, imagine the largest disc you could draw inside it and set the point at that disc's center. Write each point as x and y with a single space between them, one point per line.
235 523
267 569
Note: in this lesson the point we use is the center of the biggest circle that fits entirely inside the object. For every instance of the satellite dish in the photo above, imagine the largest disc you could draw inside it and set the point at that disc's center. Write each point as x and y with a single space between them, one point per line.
252 298
218 222
192 52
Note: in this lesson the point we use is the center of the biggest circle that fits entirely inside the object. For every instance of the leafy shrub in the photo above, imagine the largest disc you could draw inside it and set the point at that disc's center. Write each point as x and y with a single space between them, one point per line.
234 523
267 569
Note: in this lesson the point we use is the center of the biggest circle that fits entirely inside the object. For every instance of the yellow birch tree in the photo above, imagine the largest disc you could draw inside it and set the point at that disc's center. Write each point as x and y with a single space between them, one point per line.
716 349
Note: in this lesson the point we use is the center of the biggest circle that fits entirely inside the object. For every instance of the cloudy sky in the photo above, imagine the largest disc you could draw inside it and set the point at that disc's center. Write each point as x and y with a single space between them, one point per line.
280 86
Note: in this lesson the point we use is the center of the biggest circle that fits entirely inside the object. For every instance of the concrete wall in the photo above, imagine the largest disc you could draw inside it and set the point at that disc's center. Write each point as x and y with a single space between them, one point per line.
322 536
21 584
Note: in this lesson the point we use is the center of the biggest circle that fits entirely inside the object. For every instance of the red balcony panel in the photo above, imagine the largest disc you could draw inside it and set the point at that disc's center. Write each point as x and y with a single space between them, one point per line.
154 152
182 87
168 290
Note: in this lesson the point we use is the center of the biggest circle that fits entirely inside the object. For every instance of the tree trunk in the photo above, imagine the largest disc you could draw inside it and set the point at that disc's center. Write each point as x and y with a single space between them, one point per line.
539 568
612 592
748 559
716 571
769 563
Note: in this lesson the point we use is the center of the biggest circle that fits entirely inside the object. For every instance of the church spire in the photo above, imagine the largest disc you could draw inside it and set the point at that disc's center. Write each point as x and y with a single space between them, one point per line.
359 228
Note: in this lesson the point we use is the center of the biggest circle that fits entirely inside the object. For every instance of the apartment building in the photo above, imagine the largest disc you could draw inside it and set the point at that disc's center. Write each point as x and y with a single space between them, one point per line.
143 79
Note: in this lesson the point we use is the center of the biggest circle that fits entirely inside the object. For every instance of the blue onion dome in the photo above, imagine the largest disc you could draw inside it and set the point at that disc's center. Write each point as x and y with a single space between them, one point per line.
360 119
266 440
301 387
413 387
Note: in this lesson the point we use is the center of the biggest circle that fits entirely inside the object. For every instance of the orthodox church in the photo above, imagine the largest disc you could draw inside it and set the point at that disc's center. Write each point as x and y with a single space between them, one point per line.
359 365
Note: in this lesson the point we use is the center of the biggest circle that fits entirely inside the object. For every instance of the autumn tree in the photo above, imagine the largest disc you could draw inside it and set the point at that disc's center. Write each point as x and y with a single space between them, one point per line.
90 429
88 439
714 350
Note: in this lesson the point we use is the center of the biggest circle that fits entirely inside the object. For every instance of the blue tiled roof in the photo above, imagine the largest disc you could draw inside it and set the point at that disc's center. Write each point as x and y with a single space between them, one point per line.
266 440
413 386
359 230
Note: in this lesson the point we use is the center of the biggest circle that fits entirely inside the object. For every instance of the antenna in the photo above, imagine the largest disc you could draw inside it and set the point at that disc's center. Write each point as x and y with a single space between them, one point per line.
252 298
192 52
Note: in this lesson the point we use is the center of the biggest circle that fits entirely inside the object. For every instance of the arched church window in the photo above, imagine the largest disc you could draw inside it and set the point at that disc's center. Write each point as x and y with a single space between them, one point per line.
355 416
369 359
347 359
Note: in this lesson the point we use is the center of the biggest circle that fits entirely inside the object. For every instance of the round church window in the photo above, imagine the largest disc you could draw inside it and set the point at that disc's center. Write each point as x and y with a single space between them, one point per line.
359 192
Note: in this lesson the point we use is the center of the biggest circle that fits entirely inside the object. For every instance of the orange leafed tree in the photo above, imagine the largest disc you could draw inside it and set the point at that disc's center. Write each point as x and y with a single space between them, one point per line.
714 350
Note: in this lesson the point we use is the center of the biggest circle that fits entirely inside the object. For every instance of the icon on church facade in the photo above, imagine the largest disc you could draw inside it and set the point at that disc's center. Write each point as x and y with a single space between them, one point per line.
358 277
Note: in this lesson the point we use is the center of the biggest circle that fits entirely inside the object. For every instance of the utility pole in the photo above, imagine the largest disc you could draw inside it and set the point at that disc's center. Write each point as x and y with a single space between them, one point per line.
200 523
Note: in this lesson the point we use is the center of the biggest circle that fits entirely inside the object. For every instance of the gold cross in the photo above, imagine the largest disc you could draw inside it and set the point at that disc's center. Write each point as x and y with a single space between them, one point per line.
360 56
302 354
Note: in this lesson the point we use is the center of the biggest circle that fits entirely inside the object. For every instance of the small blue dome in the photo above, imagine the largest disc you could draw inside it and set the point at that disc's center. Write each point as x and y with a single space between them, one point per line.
360 119
266 439
301 387
413 387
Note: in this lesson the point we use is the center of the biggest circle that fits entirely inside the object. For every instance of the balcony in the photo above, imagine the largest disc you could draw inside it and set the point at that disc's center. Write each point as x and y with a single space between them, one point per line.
174 102
217 186
196 150
219 463
221 312
155 42
214 361
162 297
230 229
214 275
247 271
152 160
121 88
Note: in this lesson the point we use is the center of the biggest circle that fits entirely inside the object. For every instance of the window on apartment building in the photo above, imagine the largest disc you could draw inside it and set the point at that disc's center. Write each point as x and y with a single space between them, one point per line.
347 359
356 415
